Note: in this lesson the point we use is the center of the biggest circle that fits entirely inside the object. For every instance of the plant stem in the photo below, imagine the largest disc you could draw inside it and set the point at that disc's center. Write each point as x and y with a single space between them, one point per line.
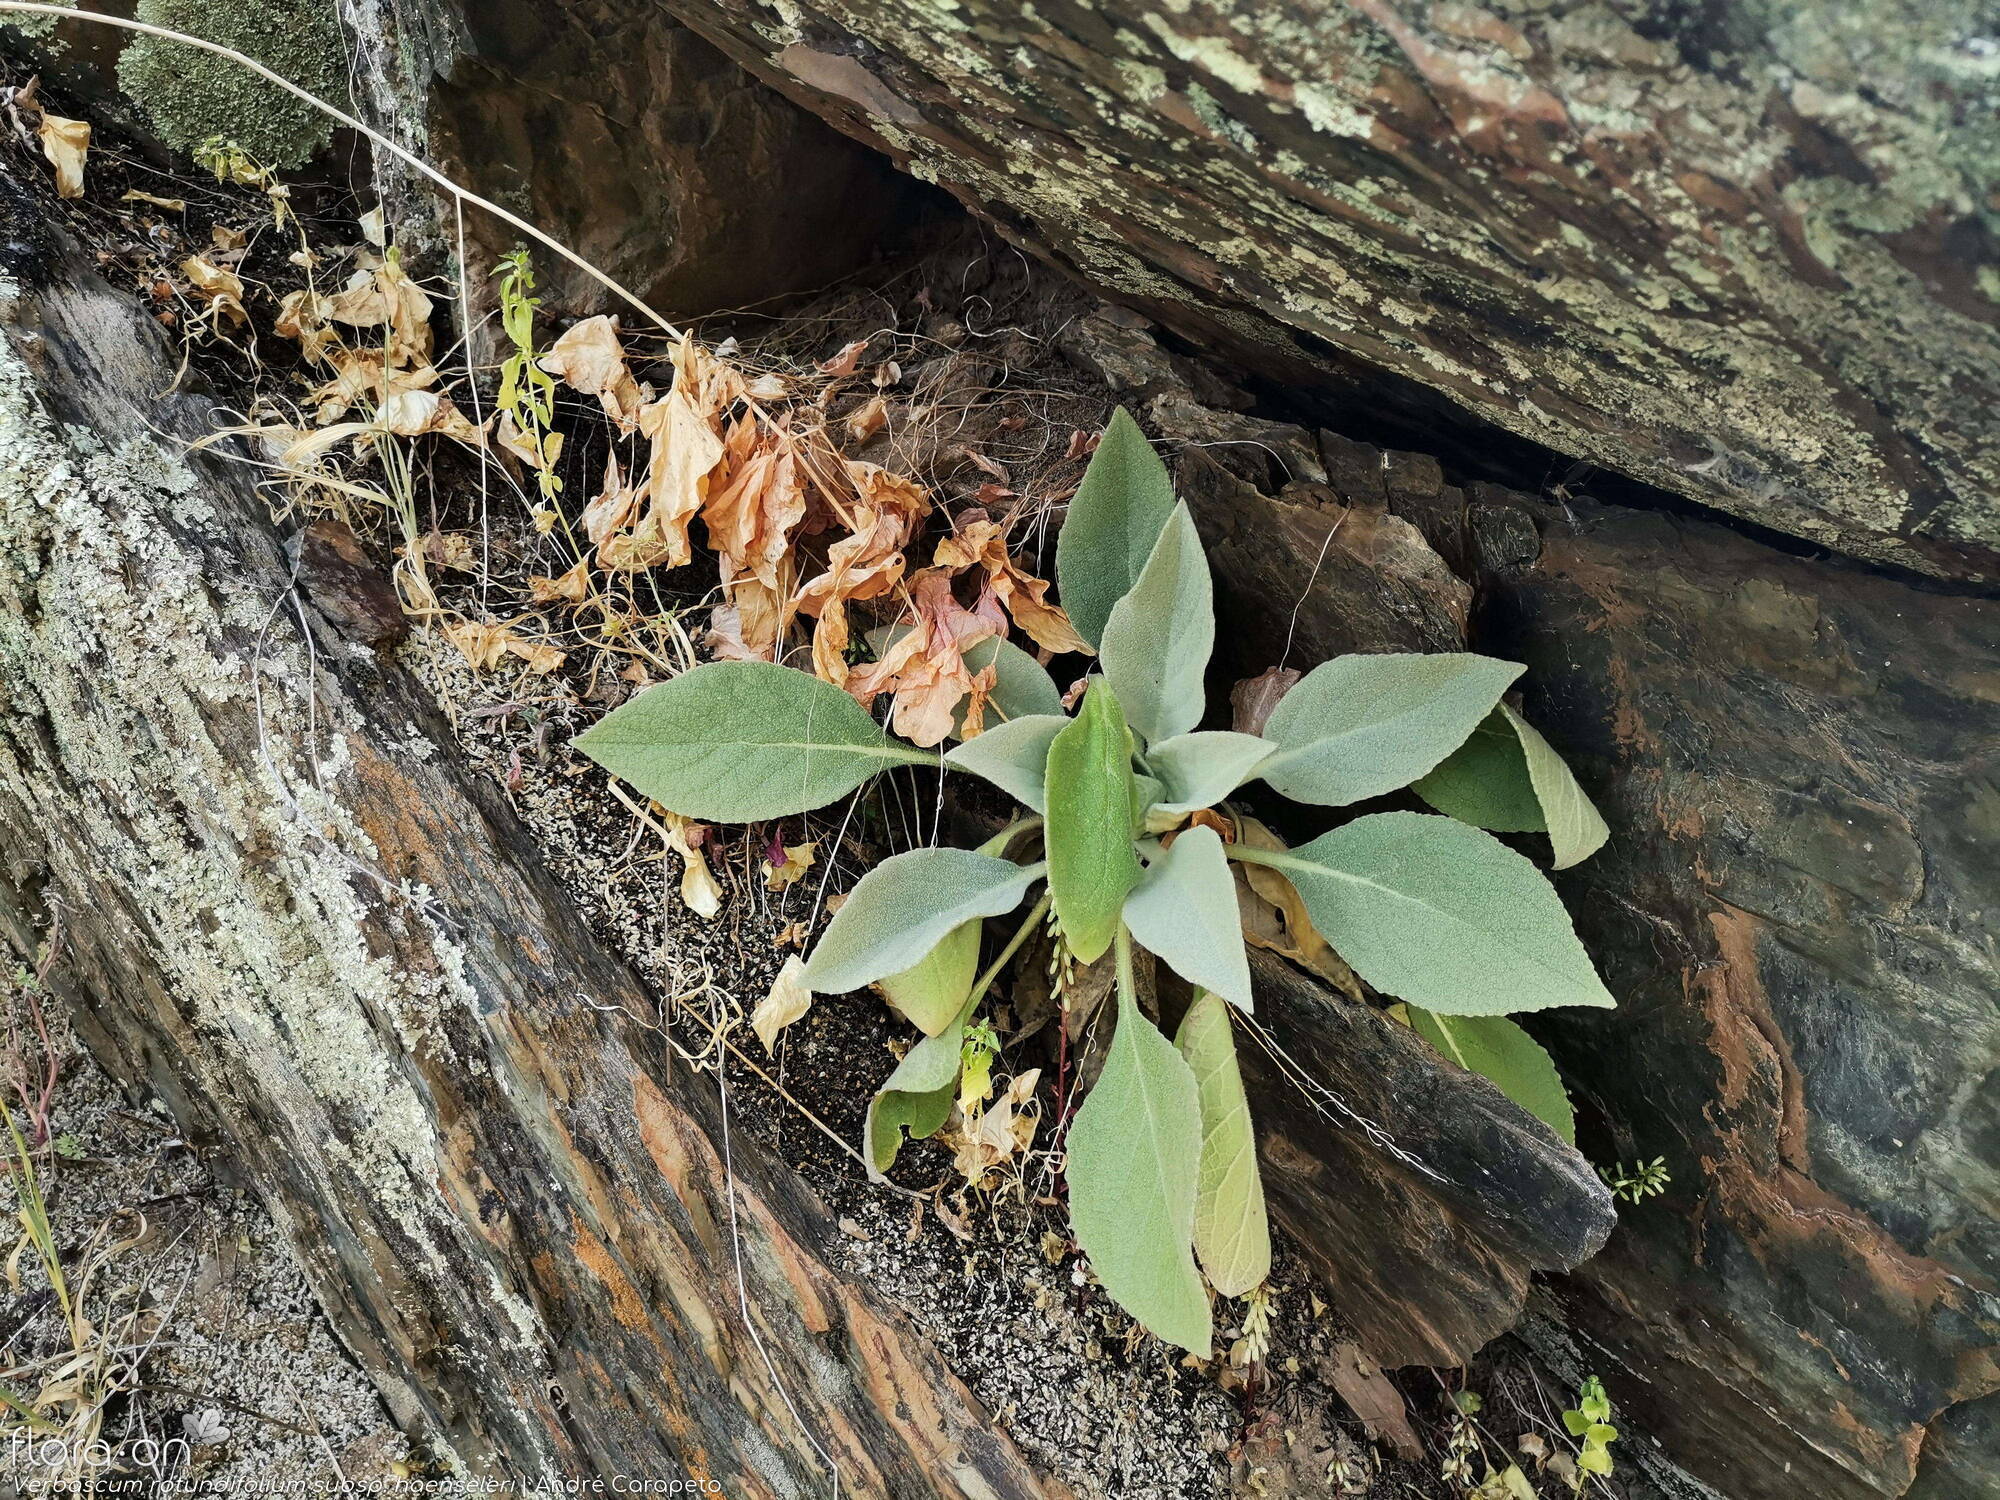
1128 989
1251 856
1006 955
1007 835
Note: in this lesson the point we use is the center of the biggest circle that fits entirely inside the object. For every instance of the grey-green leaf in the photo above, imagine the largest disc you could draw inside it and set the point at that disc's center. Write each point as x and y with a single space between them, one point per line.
741 741
1485 782
1160 635
1184 911
1133 1167
1441 915
904 907
917 1096
1359 726
1232 1230
1115 517
1498 1049
1200 769
1021 685
1508 778
1089 832
1576 829
1013 756
929 993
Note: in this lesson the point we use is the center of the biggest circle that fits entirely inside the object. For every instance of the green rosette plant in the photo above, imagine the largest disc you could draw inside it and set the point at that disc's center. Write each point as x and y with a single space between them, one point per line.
1428 908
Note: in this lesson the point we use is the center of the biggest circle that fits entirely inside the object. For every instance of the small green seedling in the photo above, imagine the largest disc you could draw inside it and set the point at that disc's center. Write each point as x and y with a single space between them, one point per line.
527 391
1589 1422
1162 1171
1638 1182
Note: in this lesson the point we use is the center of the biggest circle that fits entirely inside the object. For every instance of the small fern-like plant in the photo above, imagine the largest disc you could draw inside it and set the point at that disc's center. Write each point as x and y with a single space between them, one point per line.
1161 1165
527 391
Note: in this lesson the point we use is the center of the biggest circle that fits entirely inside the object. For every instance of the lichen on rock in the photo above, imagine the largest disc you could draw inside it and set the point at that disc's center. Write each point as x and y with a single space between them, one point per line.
191 95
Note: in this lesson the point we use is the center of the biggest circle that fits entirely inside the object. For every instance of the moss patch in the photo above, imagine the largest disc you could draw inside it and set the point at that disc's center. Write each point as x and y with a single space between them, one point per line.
190 95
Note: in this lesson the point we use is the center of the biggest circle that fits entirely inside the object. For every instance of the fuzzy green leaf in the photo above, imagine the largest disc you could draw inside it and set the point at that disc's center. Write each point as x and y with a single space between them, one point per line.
1114 519
1013 756
917 1096
741 741
929 993
1441 915
1200 769
1485 782
904 907
1359 726
1184 911
1021 685
1232 1231
1089 833
1133 1166
1159 637
1507 777
1576 829
1498 1049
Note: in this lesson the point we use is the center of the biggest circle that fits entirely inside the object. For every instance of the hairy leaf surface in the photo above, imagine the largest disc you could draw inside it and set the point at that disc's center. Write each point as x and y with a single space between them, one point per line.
1200 769
741 741
1439 914
1089 834
1184 911
1134 1165
1498 1049
929 993
1507 777
1232 1231
1013 756
905 906
1359 726
917 1096
1114 519
1160 635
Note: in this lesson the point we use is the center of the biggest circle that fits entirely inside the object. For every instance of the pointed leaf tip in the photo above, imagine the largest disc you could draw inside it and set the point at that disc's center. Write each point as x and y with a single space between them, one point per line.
742 741
1114 518
1089 834
1134 1164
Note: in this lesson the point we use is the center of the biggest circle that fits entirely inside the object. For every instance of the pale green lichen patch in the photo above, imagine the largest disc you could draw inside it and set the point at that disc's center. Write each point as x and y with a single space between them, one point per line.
1616 245
137 661
190 95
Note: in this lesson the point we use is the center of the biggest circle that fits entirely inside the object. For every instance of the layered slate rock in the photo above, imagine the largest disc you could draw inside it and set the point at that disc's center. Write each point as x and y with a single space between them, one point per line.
1800 763
1746 254
630 139
294 912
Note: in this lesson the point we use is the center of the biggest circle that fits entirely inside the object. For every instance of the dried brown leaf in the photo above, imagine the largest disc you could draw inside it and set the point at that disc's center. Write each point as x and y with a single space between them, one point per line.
218 288
684 428
1376 1401
1253 699
65 143
385 297
171 205
1274 916
925 670
589 358
573 587
699 891
788 1000
867 419
846 362
798 859
979 542
415 413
